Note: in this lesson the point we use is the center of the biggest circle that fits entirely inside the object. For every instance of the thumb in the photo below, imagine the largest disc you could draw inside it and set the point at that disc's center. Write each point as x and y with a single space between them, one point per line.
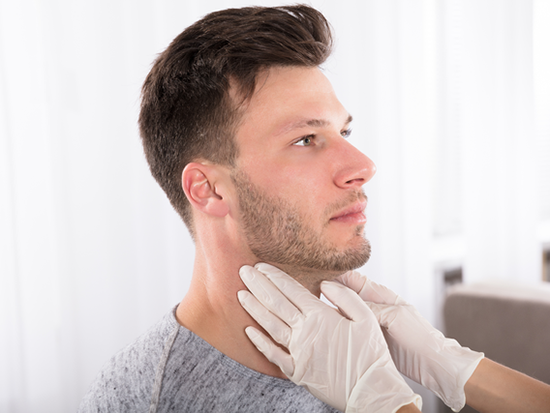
353 280
368 290
385 314
347 300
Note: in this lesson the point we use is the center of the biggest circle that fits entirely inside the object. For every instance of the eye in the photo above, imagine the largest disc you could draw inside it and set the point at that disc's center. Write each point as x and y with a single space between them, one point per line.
346 133
305 141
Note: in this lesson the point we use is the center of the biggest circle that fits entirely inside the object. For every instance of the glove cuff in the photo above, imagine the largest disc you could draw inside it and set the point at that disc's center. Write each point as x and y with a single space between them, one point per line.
460 364
416 399
381 389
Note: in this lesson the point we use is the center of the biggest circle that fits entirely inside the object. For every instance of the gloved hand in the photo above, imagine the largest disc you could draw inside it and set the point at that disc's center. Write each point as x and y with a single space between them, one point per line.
420 352
342 360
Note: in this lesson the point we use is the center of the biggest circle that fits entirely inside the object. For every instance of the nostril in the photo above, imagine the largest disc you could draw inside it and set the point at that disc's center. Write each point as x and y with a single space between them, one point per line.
351 181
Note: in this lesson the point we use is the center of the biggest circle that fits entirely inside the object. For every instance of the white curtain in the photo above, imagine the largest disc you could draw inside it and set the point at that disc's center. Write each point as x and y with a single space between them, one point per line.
91 253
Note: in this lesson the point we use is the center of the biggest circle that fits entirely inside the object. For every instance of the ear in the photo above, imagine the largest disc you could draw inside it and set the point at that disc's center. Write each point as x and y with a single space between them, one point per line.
199 182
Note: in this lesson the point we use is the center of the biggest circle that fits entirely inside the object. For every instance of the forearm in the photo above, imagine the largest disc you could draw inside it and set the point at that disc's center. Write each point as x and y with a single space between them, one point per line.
496 388
409 408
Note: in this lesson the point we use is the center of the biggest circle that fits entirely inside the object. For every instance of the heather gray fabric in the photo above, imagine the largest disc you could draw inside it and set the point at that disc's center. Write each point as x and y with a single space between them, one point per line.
170 369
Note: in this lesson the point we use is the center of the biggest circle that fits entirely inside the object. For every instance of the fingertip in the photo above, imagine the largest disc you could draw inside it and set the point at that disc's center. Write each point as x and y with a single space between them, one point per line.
260 341
273 353
331 287
266 268
260 265
246 272
242 295
252 333
343 277
274 274
347 300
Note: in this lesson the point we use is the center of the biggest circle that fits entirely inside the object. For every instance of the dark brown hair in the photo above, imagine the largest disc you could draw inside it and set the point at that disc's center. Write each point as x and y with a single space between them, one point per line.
186 111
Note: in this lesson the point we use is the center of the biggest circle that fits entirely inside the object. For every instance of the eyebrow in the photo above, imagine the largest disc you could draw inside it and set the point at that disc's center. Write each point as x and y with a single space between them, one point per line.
313 123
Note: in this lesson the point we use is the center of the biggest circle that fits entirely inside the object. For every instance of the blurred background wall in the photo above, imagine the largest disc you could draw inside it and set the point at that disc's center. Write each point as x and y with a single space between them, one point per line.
451 99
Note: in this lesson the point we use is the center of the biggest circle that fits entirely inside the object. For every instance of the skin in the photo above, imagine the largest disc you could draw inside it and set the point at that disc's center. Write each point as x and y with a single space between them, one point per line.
305 164
277 232
321 177
496 388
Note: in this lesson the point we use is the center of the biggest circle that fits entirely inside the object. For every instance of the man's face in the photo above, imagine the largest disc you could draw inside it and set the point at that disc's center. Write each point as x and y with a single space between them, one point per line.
298 180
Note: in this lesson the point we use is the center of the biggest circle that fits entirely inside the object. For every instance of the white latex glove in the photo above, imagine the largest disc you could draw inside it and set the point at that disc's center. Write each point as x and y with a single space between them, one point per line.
343 361
421 352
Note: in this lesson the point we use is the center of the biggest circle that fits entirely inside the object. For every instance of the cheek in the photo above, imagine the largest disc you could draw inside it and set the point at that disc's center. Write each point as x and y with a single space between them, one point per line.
298 190
304 184
308 197
303 176
312 185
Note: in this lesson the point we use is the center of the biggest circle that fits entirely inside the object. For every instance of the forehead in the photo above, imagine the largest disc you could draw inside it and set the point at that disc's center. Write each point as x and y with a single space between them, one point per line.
287 99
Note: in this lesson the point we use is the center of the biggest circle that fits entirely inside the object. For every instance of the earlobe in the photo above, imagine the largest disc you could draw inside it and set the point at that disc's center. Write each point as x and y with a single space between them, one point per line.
198 182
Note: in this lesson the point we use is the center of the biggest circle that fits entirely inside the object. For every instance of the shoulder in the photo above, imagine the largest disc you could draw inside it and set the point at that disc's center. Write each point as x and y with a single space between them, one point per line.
198 377
126 382
171 369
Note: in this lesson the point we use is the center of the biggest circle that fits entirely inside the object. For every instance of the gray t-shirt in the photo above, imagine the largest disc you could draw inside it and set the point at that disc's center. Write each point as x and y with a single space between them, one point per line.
170 369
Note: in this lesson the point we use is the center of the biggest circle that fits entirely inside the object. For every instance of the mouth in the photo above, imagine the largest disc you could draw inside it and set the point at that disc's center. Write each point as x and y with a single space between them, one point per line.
354 214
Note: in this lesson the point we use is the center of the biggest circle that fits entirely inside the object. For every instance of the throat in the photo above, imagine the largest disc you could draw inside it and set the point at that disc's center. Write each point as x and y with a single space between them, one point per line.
222 326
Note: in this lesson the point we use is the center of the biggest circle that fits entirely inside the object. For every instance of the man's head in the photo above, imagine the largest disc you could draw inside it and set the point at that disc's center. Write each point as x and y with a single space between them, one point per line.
247 137
187 112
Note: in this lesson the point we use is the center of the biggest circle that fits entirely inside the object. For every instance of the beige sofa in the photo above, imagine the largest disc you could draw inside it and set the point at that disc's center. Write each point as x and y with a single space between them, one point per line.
509 322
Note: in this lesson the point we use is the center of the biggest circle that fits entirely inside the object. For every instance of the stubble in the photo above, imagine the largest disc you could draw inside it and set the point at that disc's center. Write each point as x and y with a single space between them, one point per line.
277 234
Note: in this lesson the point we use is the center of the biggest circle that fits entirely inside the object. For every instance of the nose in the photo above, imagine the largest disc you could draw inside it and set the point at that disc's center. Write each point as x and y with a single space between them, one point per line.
353 168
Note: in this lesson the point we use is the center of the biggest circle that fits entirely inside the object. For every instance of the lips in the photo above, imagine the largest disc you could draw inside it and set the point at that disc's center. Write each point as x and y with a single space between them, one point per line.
354 214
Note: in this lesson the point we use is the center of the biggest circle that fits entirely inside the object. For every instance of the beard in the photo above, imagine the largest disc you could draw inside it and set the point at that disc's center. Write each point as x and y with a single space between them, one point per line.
276 233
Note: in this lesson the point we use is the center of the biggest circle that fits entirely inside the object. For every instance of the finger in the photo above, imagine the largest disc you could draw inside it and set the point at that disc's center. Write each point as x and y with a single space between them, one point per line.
402 319
347 301
368 290
300 296
273 353
270 322
269 295
353 280
385 314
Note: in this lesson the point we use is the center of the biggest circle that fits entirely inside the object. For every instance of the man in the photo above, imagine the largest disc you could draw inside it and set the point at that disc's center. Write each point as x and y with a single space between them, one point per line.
247 138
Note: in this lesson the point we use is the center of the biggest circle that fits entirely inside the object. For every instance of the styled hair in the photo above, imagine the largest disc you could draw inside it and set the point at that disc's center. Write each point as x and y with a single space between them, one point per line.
187 113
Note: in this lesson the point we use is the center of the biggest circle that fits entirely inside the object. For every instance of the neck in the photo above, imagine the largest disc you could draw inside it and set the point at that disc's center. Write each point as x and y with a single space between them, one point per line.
211 309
